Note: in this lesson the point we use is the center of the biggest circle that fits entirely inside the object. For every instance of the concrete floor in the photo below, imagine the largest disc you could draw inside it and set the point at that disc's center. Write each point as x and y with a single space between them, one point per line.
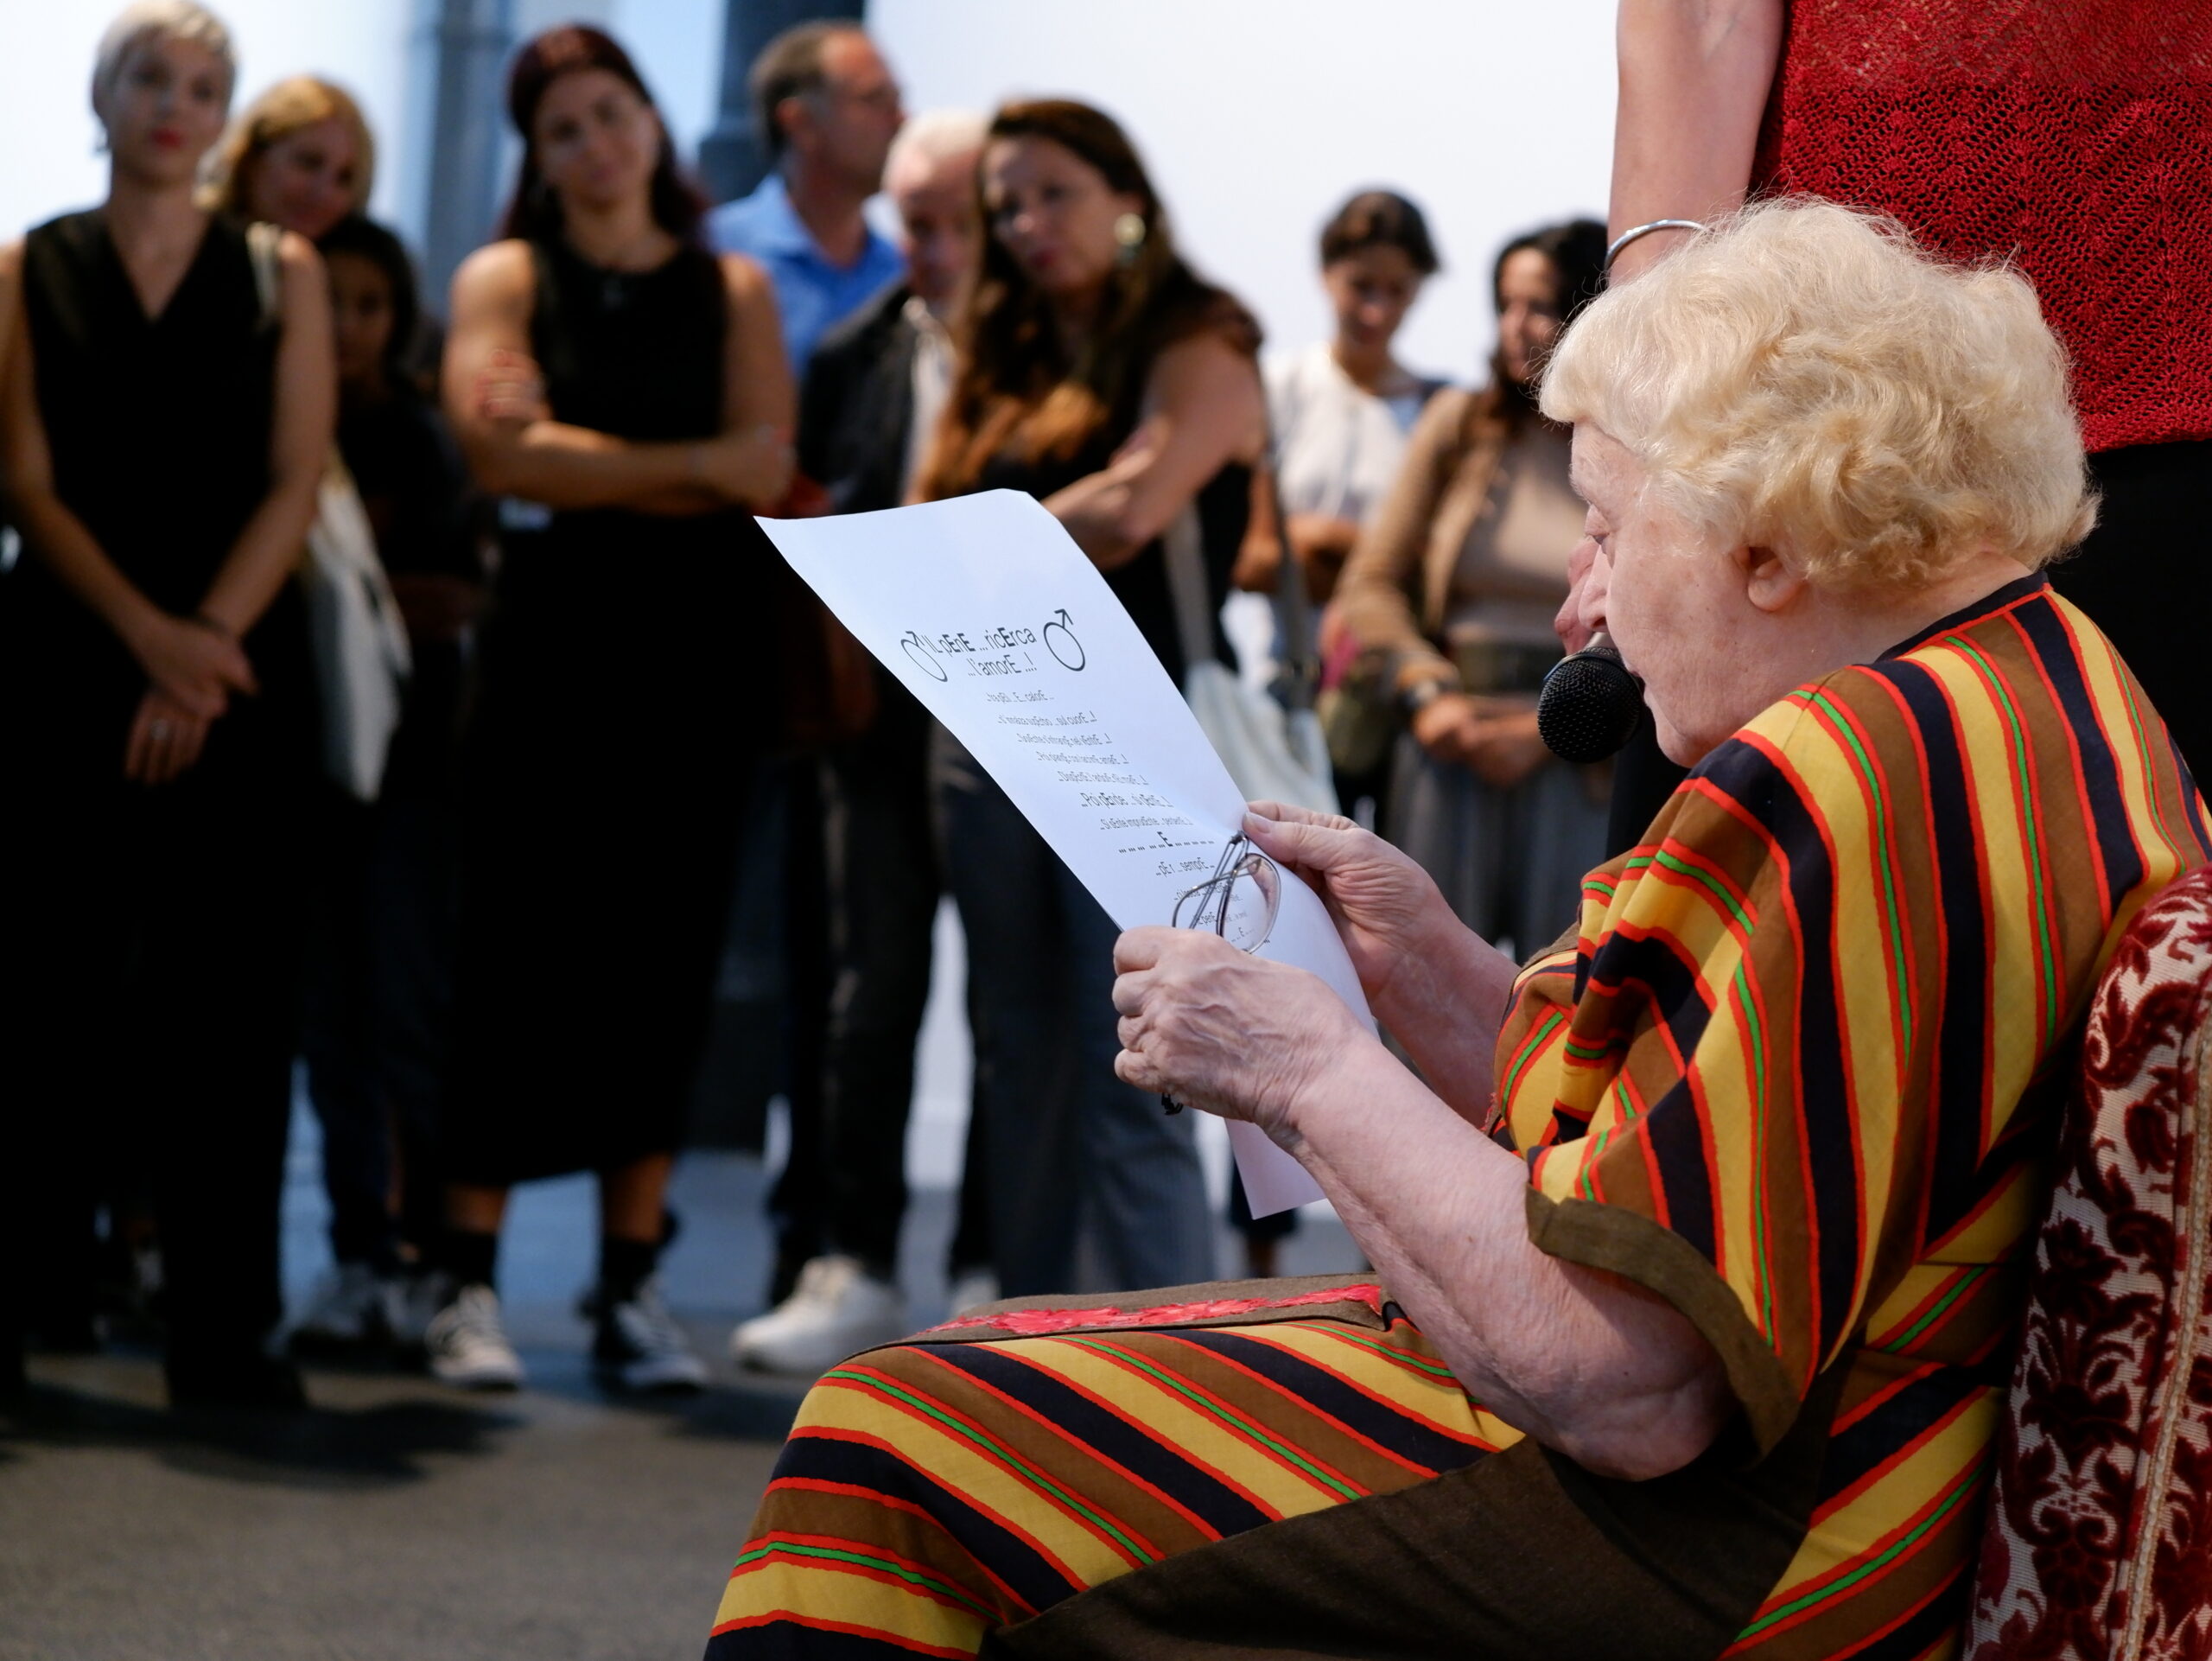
400 1519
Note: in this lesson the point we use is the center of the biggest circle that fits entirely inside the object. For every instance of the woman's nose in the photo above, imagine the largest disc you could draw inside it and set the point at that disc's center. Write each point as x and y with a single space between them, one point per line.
1595 591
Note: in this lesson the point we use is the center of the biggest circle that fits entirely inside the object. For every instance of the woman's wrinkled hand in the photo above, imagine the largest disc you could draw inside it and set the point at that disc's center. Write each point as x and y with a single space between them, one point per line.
1217 1028
1387 908
166 739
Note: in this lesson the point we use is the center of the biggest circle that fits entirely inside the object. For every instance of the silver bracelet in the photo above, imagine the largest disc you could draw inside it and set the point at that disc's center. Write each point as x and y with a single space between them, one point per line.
1645 230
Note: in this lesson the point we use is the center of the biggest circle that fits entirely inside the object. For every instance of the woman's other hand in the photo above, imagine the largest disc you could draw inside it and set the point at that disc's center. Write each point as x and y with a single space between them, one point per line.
1386 907
166 739
1448 727
1220 1029
511 390
1505 748
196 665
750 467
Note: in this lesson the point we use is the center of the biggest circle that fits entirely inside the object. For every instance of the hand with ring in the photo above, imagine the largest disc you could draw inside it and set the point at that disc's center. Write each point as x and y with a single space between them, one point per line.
165 742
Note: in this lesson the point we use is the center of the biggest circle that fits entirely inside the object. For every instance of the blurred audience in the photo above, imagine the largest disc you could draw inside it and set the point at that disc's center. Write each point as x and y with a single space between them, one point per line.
1101 375
167 421
604 364
383 998
1450 593
300 156
1337 414
872 397
826 107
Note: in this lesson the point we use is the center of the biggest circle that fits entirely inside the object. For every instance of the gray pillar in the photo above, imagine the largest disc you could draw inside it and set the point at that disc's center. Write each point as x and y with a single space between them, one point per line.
731 161
462 51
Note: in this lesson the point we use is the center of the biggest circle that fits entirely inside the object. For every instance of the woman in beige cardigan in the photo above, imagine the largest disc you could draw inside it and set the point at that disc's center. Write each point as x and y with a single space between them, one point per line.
1450 594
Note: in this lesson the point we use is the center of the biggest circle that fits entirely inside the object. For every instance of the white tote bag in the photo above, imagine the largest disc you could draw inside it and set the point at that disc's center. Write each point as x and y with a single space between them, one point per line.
359 639
1274 754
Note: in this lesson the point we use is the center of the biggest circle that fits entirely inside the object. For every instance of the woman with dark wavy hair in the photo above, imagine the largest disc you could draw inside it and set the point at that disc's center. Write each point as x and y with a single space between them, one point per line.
1104 377
604 365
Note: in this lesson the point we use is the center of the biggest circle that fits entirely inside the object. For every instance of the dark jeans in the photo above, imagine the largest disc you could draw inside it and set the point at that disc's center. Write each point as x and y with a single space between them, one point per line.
844 1187
1069 1143
414 890
334 1035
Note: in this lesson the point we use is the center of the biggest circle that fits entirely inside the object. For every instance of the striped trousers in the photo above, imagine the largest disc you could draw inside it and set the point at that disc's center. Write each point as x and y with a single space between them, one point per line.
932 1493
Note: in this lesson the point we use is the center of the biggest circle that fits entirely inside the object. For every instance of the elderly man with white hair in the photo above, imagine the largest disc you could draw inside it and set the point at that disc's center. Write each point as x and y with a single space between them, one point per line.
871 400
1699 1238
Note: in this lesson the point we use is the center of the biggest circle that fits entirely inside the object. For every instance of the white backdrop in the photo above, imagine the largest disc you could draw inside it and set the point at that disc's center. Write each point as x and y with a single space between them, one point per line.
1255 117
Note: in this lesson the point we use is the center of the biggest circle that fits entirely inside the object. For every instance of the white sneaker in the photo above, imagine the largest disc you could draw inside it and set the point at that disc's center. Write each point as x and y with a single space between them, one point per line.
347 1312
970 1289
645 1347
838 1309
467 1345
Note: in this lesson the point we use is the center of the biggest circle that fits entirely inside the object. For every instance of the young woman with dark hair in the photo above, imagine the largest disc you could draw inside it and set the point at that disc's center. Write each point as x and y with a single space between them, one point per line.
603 365
380 982
1451 586
167 415
1101 375
1341 409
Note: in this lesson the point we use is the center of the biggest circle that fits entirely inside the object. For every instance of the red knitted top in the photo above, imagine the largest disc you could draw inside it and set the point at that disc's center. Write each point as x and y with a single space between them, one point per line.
2073 136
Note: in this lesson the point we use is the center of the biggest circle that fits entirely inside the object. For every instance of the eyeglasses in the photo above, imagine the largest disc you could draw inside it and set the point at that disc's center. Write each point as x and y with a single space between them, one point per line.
1238 902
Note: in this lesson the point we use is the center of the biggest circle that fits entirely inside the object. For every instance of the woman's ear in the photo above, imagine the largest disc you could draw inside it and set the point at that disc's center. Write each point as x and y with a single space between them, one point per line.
1771 583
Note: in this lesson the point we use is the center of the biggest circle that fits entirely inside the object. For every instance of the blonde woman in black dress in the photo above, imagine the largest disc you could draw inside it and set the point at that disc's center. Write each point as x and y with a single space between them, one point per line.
166 424
603 364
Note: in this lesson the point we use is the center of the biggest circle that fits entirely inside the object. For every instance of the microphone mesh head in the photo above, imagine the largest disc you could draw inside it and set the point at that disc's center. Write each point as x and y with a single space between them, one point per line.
1589 705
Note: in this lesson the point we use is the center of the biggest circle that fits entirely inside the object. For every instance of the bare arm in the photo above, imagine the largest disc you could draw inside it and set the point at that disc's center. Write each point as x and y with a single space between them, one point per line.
1600 1370
1586 1363
565 466
1203 409
304 426
1694 80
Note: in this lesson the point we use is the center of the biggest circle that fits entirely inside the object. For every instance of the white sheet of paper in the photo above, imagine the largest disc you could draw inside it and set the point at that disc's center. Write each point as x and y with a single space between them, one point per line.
989 614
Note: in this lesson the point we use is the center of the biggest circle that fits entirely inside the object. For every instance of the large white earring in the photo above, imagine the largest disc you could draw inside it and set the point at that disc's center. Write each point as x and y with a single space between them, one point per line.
1130 232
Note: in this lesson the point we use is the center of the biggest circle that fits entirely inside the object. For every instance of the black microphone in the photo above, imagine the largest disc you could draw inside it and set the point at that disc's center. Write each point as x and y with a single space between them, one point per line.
1589 703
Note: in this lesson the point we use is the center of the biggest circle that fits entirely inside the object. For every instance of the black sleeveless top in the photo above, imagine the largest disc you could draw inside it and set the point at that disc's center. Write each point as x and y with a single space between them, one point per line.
1223 505
159 429
616 638
639 355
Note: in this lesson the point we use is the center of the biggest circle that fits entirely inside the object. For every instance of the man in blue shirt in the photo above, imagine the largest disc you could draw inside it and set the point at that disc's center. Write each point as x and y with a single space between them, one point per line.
827 108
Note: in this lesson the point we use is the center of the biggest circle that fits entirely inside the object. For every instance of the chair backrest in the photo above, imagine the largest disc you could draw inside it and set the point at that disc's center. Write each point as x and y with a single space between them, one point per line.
2099 1543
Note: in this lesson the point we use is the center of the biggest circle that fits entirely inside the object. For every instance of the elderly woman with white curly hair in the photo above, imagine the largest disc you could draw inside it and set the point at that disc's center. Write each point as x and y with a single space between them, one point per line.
1697 1238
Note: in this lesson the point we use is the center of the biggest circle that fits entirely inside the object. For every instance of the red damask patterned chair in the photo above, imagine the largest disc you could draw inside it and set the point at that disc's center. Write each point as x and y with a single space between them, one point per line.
2100 1537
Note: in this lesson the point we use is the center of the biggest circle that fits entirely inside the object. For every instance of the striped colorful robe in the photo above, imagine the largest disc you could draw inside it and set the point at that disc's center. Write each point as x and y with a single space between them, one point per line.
1796 1072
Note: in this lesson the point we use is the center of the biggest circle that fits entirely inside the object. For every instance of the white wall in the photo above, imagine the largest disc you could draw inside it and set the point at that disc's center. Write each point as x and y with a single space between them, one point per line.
47 130
1255 117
